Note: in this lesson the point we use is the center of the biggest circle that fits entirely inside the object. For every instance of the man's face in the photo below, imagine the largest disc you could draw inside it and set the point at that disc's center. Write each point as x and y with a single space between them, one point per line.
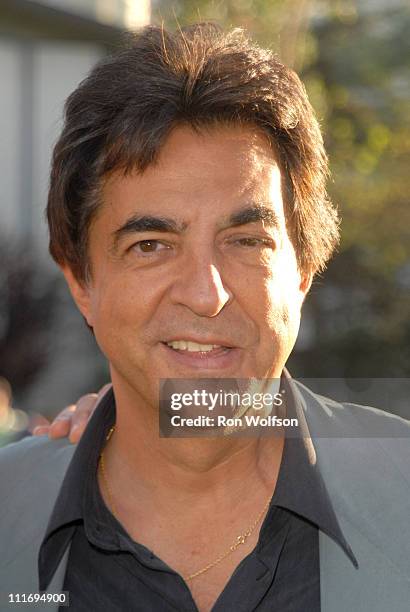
193 272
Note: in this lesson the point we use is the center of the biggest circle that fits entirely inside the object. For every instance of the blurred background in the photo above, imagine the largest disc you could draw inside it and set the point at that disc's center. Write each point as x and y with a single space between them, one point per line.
354 58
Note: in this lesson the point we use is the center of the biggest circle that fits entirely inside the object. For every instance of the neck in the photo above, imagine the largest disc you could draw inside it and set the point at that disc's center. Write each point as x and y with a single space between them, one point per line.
177 471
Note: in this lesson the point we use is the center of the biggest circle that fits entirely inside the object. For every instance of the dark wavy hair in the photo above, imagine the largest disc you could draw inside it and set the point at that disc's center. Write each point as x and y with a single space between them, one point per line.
120 115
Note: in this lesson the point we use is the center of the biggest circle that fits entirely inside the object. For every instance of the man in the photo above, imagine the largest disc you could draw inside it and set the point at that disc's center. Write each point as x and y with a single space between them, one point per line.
188 213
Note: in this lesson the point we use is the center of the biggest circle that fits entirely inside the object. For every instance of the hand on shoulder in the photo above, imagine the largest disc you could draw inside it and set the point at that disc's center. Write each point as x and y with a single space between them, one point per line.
72 420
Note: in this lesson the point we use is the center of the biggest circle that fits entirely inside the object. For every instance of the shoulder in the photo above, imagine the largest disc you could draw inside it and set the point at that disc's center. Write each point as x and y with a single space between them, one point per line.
330 418
358 447
363 455
31 473
34 466
34 452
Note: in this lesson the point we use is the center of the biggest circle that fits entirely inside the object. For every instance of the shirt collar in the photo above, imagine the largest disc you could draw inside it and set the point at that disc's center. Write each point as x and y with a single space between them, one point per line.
300 487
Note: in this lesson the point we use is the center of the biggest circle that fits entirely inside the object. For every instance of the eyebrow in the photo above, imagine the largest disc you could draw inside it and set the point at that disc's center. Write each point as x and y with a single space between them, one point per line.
253 214
149 223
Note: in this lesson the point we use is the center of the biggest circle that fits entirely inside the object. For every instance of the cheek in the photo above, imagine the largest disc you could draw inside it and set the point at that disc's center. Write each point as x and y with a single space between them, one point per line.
119 297
282 305
112 308
122 308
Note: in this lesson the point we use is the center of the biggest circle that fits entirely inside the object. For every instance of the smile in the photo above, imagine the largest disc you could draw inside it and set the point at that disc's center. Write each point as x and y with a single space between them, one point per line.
201 355
193 347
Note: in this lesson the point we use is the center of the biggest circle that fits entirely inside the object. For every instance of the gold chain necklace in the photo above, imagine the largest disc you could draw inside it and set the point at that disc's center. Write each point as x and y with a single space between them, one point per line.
239 540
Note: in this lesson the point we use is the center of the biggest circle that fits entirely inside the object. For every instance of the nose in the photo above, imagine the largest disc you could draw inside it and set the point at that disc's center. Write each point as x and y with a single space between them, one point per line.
200 287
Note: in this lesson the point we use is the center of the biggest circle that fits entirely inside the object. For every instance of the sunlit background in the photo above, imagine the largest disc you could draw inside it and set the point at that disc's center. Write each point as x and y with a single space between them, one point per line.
354 58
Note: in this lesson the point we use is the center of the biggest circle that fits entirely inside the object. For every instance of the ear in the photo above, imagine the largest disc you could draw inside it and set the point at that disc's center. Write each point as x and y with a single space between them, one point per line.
306 279
80 292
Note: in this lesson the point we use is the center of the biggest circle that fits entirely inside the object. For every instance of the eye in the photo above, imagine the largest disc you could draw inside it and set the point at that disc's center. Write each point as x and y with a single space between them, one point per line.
251 242
149 246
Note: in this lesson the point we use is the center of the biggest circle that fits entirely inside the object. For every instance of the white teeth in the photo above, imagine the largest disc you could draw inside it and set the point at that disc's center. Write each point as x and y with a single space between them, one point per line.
187 345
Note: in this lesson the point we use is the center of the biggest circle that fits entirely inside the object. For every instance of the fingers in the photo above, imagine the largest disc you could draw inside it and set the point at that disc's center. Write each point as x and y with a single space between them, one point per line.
72 421
60 427
84 409
38 424
79 419
40 430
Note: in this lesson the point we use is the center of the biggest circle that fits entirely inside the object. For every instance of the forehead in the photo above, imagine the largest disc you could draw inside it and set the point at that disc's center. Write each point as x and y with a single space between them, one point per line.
210 171
243 145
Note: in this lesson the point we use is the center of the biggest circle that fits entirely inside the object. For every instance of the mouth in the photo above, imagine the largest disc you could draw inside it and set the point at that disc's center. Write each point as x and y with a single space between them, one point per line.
210 355
189 346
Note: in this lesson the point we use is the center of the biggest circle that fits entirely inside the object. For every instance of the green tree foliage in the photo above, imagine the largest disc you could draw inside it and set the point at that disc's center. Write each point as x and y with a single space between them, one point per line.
359 83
